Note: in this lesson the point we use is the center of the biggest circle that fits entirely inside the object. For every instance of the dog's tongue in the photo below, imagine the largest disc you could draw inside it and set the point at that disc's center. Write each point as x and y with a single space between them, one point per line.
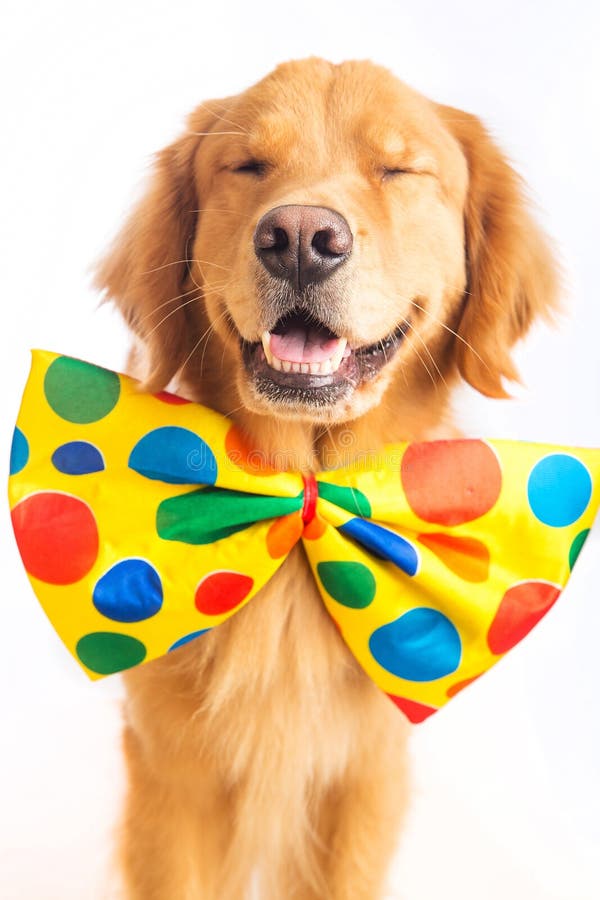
302 344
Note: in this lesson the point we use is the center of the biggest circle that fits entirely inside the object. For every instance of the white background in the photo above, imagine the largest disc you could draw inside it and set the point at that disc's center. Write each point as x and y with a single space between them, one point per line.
507 777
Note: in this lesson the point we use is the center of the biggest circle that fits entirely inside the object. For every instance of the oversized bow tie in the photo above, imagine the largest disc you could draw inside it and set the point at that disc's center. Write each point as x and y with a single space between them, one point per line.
144 520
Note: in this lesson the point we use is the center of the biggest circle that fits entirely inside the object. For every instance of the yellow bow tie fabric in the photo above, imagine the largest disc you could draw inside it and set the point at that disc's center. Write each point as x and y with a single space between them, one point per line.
145 520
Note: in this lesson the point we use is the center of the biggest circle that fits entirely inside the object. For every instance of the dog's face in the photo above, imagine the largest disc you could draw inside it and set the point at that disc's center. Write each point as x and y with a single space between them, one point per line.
334 217
334 232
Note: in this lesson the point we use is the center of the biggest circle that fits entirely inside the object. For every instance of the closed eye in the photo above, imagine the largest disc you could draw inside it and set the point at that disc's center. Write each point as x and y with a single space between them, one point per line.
391 173
251 167
421 165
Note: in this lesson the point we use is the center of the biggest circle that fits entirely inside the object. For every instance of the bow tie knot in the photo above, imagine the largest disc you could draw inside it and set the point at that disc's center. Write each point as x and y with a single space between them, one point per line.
311 494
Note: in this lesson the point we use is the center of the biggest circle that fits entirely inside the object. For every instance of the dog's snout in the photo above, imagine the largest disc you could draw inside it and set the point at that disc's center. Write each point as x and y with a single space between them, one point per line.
302 244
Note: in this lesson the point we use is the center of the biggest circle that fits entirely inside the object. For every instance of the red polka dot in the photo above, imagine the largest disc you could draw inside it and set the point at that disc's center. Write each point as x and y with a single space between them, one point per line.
57 537
222 591
451 482
521 608
283 534
173 399
414 712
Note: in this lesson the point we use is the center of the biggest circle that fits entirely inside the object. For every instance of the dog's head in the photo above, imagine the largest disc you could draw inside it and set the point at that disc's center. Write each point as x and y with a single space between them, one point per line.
325 233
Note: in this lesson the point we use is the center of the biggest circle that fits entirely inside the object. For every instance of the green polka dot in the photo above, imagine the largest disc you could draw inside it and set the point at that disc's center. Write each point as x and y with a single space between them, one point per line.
576 546
79 392
192 518
348 498
105 652
350 583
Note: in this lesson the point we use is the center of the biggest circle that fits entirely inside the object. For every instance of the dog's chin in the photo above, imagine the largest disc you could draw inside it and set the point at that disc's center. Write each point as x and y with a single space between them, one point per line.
335 390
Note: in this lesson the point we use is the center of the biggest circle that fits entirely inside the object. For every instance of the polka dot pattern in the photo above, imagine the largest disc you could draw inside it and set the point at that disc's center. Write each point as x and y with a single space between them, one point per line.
105 652
559 490
172 399
521 607
221 592
130 591
79 392
191 517
181 519
414 712
187 638
422 645
174 455
145 520
57 536
384 543
451 482
19 452
577 546
350 583
77 458
351 499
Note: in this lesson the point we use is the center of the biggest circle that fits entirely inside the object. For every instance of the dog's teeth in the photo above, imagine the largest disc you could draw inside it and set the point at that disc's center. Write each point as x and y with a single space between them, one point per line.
337 357
324 367
266 342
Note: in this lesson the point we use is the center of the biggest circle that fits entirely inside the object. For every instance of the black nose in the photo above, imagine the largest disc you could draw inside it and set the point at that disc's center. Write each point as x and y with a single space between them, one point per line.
302 244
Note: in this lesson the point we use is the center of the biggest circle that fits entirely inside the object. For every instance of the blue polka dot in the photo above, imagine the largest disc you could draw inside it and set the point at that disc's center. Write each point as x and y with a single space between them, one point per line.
187 638
422 645
383 543
19 452
174 455
559 490
77 458
129 592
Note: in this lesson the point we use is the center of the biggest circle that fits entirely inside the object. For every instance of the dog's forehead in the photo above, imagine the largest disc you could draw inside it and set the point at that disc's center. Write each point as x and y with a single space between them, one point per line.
352 101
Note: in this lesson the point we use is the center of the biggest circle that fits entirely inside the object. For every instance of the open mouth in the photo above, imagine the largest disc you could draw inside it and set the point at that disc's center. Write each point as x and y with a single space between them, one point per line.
302 361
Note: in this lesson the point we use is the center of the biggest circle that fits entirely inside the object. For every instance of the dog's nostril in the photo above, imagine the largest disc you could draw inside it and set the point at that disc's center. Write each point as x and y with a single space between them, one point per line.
281 240
328 243
321 243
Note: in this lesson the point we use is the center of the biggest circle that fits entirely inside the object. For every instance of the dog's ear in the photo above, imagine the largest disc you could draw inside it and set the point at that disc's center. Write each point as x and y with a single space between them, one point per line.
511 272
146 273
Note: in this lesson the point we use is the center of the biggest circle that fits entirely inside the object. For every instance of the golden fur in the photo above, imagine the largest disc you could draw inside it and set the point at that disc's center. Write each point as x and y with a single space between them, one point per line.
263 746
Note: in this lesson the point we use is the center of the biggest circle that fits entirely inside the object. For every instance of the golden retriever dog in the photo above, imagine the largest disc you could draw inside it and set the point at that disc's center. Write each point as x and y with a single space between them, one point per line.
320 258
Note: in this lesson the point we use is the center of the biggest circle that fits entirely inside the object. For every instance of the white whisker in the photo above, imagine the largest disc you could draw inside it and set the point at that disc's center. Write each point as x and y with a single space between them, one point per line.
223 118
428 351
179 262
215 133
169 314
166 303
422 361
187 244
199 341
455 333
